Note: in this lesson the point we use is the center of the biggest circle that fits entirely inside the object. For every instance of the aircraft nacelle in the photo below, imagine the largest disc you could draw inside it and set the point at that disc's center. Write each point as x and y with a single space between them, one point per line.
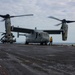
64 32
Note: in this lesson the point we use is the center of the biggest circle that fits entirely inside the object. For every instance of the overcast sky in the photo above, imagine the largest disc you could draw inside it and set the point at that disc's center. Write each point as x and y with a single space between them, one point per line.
62 9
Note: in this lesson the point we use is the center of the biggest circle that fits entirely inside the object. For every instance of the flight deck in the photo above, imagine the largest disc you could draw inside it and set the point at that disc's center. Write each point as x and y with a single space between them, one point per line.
20 59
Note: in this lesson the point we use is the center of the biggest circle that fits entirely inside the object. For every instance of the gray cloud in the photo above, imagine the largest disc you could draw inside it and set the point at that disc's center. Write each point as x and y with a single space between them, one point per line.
41 9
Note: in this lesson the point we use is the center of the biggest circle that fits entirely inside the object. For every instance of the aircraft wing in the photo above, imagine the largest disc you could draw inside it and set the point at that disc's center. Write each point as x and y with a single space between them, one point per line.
53 31
22 30
25 30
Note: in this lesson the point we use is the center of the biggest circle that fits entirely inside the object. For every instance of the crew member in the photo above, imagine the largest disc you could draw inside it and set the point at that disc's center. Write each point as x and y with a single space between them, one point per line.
51 40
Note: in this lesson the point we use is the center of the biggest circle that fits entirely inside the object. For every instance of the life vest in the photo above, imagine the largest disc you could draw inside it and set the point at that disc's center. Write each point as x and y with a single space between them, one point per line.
51 39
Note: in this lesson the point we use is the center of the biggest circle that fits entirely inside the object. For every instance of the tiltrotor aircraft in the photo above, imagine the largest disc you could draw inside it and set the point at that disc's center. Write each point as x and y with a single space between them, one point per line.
8 37
42 36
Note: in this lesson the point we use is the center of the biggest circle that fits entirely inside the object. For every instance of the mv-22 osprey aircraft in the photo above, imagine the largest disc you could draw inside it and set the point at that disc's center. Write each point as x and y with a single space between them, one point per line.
8 37
42 36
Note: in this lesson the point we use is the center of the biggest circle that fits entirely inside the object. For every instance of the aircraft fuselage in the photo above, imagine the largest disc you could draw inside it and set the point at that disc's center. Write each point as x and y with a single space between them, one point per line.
38 37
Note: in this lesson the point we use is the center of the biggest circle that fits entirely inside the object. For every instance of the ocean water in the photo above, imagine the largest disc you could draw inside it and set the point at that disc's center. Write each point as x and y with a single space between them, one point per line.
61 43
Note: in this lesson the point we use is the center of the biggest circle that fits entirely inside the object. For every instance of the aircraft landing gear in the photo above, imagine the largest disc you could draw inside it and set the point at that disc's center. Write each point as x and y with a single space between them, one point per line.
41 43
26 43
45 43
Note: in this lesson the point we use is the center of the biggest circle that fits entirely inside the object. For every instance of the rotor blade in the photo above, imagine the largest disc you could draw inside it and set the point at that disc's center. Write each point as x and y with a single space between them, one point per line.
3 33
54 18
58 24
21 15
3 16
69 21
